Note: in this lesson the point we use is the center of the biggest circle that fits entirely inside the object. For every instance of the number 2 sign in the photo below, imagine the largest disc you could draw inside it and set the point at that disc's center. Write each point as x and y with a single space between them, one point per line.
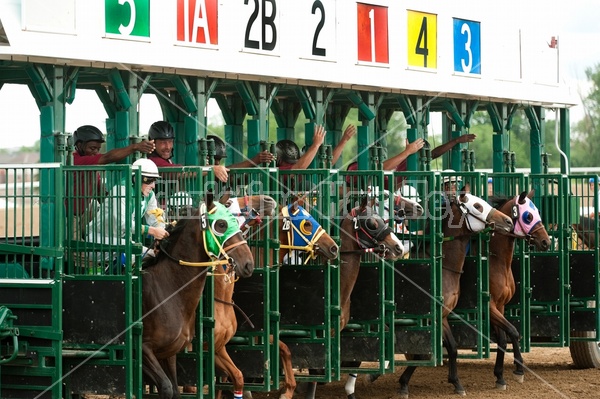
422 40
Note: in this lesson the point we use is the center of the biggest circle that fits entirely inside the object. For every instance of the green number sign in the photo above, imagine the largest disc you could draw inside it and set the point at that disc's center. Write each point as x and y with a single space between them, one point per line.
127 17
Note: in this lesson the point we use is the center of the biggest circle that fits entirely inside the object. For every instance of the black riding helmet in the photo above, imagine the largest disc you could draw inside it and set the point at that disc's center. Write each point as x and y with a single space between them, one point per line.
287 151
87 133
220 149
161 130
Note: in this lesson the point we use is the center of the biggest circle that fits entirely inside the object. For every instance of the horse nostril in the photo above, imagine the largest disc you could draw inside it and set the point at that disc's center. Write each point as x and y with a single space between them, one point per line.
334 249
399 248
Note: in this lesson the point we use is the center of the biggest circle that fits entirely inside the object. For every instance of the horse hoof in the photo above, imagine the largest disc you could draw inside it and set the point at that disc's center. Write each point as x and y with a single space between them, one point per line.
520 378
371 378
501 387
461 392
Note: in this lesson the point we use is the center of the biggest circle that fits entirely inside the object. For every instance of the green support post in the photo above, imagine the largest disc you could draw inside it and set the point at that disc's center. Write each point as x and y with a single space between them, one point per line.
121 133
253 137
564 140
190 142
413 160
363 142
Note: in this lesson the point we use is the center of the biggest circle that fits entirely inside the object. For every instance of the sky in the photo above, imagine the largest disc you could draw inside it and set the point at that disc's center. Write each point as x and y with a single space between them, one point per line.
576 23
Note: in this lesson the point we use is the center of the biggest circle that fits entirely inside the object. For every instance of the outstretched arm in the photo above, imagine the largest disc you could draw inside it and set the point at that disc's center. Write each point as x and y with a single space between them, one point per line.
309 155
263 157
411 148
119 154
444 148
339 148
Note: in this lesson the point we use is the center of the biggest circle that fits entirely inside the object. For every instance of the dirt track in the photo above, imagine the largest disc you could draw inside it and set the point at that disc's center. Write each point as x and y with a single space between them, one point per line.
550 375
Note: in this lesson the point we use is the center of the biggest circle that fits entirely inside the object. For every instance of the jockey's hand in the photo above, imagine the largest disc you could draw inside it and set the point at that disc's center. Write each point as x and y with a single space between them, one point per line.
415 146
221 172
158 232
145 146
466 138
263 157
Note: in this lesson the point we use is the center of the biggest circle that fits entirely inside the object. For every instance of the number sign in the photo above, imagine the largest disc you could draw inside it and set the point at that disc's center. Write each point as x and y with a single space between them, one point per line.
372 29
467 46
197 22
422 39
127 17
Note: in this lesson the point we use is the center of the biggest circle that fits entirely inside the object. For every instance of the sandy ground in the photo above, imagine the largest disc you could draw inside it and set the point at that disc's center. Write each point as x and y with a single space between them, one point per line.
550 375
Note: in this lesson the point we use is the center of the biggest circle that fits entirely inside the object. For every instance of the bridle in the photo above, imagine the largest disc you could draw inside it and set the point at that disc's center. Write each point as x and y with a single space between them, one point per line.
489 226
369 240
249 214
516 218
292 223
222 259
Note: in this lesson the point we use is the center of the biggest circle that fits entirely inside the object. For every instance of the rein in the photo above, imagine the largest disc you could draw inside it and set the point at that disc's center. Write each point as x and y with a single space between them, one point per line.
465 211
310 247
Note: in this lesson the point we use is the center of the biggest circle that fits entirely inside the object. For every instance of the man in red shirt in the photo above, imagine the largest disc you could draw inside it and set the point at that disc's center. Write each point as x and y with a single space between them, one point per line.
163 135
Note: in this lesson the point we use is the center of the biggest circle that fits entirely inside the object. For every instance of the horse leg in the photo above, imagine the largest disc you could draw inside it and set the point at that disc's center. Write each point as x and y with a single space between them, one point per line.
153 369
499 365
224 362
503 329
452 349
405 379
286 362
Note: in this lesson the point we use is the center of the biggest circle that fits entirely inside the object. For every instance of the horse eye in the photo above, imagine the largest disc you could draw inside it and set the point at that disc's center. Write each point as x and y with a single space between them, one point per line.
528 217
371 224
219 227
306 227
479 207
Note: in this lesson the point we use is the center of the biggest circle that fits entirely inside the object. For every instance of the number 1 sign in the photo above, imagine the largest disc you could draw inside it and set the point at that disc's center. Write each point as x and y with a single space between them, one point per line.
372 27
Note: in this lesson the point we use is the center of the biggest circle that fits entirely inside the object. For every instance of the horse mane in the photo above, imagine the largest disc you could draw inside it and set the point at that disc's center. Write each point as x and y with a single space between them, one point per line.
174 230
497 201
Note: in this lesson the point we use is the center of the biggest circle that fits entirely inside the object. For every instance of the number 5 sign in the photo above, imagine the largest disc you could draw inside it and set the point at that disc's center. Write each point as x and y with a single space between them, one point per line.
422 40
467 46
127 17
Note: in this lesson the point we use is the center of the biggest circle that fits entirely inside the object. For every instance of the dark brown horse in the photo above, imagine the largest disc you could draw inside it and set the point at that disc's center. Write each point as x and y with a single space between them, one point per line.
463 216
362 231
527 226
249 211
173 286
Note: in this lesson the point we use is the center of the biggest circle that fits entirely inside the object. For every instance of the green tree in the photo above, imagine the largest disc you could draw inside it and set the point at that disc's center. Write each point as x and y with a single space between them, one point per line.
585 137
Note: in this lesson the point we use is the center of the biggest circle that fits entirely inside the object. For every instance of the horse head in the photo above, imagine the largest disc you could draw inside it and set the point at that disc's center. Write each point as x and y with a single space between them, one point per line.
301 232
369 231
406 203
249 209
480 215
223 238
528 222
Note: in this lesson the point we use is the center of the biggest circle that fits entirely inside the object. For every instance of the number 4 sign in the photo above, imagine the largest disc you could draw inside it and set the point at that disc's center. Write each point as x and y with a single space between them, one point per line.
422 40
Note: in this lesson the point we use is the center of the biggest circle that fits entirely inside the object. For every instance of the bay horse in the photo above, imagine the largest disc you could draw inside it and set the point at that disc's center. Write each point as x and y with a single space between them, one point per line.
529 227
172 286
363 230
299 231
464 215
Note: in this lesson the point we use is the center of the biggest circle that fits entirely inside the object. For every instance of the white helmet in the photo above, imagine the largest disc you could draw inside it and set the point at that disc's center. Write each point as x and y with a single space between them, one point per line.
451 178
179 199
408 191
147 167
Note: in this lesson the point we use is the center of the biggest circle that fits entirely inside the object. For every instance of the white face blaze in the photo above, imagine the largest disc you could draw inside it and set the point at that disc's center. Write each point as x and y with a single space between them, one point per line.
478 211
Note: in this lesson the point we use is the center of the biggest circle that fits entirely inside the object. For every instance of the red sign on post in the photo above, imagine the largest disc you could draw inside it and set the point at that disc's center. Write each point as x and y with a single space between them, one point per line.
372 28
197 21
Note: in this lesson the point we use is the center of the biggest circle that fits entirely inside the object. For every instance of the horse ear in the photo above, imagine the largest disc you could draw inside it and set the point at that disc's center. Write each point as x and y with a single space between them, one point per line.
224 198
466 188
209 198
531 194
363 201
522 197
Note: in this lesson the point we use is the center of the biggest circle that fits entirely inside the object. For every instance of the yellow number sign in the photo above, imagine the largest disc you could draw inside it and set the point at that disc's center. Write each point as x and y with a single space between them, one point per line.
422 39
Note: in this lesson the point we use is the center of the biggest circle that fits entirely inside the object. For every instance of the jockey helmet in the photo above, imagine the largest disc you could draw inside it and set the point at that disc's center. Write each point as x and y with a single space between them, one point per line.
147 167
287 151
87 133
220 148
161 130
